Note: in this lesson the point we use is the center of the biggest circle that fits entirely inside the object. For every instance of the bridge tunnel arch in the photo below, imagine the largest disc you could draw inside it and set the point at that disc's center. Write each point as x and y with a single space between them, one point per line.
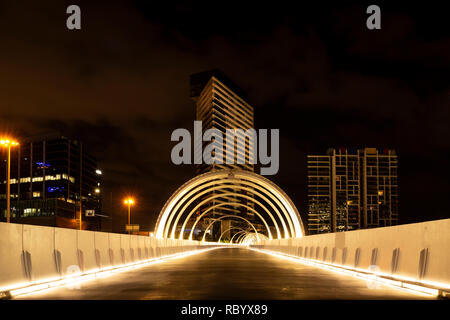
270 202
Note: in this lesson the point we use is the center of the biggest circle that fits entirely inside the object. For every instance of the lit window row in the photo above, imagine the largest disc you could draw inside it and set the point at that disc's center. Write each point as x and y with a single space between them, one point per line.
38 179
13 195
29 210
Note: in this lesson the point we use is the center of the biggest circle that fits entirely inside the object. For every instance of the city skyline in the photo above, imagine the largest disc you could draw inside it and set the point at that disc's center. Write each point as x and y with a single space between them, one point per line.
331 87
224 160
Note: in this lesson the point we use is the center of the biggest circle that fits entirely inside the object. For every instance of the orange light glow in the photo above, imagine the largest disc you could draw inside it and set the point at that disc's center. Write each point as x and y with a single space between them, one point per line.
129 201
5 142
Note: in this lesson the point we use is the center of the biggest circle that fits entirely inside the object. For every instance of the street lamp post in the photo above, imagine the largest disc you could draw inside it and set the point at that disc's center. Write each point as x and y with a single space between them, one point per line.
8 144
129 202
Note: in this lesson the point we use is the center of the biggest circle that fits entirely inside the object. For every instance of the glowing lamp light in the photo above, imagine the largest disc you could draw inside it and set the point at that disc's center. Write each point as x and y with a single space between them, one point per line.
8 143
97 190
98 171
129 201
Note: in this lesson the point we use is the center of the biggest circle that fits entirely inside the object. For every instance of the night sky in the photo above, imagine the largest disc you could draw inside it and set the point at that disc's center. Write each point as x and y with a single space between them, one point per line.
121 85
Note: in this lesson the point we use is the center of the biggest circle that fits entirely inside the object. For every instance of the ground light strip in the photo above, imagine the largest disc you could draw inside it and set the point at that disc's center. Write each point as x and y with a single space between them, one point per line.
396 284
96 273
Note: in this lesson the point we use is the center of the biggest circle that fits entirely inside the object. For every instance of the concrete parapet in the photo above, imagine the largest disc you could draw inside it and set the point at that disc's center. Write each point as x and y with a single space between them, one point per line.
35 254
419 251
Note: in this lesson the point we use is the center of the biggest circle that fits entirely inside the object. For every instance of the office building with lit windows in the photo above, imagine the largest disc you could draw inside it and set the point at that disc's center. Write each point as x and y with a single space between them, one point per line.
50 177
352 189
221 104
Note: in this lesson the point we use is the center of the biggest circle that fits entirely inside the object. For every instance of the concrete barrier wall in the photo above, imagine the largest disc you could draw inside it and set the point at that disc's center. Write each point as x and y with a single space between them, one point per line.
102 249
419 251
157 244
32 254
114 249
66 247
38 244
134 245
12 271
86 250
142 248
125 248
151 248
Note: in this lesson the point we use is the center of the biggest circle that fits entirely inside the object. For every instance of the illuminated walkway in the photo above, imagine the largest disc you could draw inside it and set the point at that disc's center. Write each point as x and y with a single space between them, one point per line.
226 274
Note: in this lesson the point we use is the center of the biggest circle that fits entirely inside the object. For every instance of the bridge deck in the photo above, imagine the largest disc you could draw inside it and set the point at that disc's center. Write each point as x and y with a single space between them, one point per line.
226 273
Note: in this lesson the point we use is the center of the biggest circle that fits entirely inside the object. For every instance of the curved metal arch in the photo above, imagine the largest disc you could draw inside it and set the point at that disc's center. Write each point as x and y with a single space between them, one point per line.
222 205
181 201
229 229
251 199
271 187
242 239
220 196
228 216
287 206
235 187
240 232
224 186
269 192
243 235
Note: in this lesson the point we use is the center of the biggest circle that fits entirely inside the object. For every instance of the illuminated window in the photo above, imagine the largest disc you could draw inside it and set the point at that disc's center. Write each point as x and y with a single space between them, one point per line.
36 194
56 177
65 176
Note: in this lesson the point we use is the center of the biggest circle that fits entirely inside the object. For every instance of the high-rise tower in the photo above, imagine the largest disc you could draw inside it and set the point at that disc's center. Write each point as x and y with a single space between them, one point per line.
350 190
222 105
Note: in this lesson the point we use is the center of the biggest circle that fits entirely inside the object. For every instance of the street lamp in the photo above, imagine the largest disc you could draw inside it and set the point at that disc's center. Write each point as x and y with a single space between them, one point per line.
129 202
8 143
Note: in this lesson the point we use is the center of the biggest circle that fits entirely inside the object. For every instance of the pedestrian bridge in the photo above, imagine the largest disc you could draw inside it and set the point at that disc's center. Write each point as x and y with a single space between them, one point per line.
401 262
275 262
